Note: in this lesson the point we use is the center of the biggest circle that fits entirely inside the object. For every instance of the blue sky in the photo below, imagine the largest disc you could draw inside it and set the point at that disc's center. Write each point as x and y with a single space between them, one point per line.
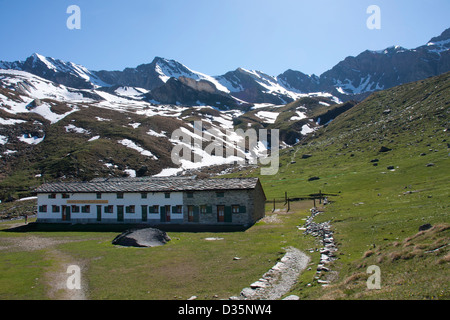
214 36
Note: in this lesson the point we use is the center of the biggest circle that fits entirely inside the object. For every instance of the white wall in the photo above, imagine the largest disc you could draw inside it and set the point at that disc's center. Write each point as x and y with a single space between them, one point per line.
157 198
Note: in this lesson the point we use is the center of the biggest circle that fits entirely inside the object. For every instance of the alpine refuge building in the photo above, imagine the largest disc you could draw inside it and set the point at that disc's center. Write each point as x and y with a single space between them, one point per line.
153 201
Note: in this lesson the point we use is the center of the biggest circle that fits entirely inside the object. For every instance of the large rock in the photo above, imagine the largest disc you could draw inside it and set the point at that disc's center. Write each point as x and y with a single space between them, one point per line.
425 227
147 237
384 149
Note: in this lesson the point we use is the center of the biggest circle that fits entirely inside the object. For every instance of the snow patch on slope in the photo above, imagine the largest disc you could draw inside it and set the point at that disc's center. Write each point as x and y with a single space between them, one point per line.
130 144
267 116
27 138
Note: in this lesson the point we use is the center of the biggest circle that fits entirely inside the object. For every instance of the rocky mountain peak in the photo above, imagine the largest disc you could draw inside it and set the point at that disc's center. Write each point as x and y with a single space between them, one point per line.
445 35
351 78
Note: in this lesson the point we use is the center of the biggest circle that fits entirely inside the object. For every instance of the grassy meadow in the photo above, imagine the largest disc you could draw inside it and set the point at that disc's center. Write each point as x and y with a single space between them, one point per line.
187 265
386 161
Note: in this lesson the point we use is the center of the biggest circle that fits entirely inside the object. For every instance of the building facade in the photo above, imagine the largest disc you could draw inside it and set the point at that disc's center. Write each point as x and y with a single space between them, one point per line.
153 201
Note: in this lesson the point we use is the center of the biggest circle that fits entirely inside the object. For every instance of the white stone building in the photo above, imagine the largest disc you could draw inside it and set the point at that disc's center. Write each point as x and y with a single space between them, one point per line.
154 201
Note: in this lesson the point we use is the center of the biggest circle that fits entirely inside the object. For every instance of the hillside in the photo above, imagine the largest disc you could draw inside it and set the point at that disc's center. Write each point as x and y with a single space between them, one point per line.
49 131
387 161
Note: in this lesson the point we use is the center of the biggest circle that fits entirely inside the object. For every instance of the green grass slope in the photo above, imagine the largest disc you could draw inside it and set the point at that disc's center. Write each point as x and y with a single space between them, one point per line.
387 159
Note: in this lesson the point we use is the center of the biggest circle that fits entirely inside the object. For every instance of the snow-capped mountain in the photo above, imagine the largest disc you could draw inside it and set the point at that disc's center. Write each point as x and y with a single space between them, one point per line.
382 69
58 71
356 77
257 87
155 74
439 44
172 82
169 81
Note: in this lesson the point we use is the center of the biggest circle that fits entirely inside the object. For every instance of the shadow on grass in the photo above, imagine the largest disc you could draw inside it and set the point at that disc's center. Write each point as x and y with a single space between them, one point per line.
61 227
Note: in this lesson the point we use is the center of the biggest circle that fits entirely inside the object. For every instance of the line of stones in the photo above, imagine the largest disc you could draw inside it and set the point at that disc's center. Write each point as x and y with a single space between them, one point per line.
325 235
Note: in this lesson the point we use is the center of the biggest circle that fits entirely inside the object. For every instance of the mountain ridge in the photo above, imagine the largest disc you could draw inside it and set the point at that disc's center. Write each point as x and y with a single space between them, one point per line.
352 78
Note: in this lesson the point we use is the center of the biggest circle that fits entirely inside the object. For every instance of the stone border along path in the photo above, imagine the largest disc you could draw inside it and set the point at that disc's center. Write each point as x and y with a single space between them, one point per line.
327 252
279 279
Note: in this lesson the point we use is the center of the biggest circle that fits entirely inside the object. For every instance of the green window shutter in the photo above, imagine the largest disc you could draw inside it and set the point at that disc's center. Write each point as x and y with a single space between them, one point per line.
196 214
242 209
144 212
228 214
208 209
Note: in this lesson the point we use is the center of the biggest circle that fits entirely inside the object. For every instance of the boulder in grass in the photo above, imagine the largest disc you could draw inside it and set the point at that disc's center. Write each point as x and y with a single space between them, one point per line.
425 227
384 149
147 237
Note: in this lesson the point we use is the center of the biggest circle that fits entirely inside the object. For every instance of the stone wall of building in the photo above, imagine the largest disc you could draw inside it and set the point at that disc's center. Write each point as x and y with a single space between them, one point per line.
247 213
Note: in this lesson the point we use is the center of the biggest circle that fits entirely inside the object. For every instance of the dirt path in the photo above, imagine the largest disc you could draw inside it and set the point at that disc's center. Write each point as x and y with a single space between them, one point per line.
56 276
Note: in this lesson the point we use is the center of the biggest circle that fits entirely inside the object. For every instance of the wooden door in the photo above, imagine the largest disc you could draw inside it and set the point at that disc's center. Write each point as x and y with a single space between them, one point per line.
220 213
228 214
162 216
65 212
119 213
190 213
144 213
167 213
99 213
196 214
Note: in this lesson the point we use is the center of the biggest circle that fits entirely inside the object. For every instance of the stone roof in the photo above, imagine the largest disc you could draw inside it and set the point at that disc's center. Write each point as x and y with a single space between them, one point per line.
149 184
